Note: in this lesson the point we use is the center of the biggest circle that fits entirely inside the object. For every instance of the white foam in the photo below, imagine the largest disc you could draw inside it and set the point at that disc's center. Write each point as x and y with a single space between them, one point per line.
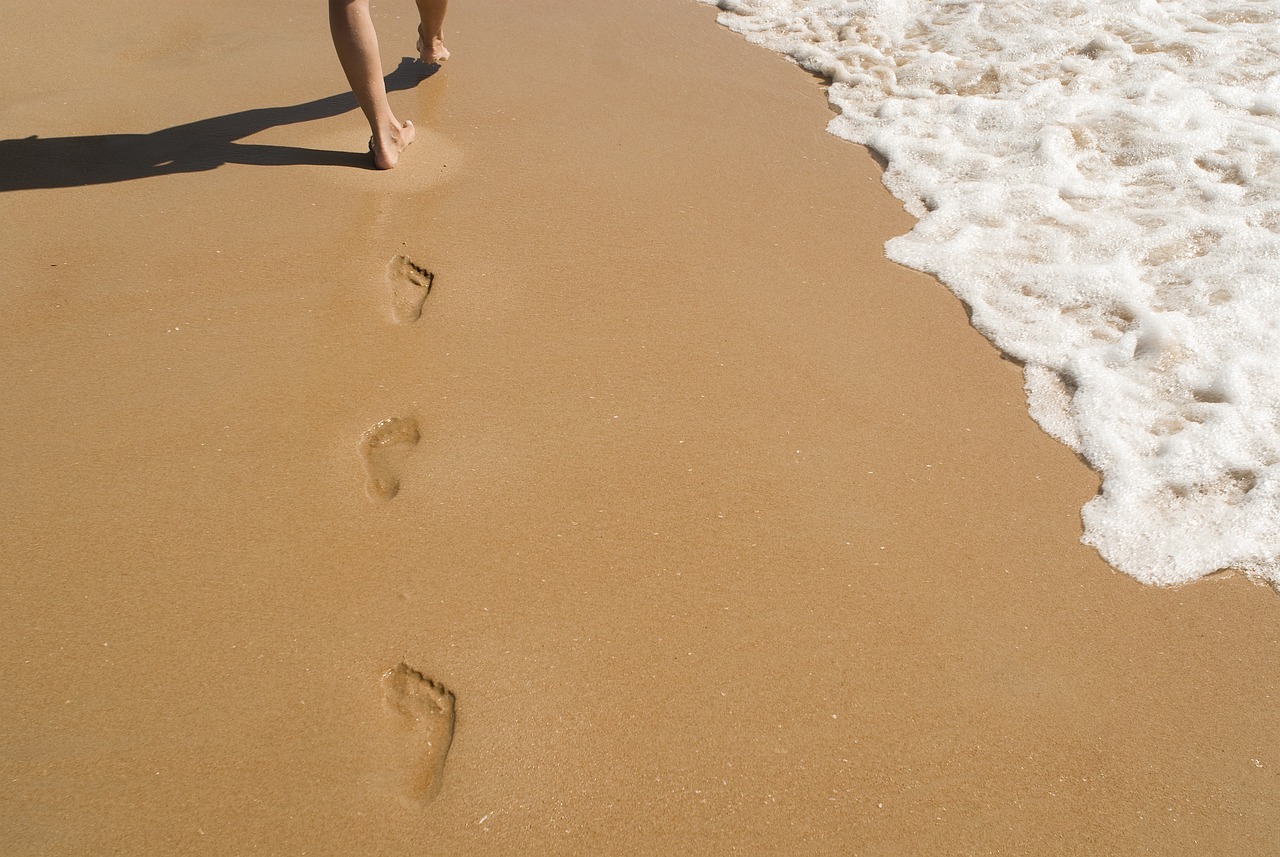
1100 181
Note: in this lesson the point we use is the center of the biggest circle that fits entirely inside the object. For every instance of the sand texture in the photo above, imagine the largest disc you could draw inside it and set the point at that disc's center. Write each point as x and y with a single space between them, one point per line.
590 484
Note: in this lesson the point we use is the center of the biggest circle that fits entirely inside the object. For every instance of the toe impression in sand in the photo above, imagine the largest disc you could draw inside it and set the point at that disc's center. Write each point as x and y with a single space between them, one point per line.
378 448
424 711
410 285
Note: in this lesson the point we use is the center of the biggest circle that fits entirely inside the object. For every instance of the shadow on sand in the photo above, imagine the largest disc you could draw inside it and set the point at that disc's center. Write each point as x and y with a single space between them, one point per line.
54 162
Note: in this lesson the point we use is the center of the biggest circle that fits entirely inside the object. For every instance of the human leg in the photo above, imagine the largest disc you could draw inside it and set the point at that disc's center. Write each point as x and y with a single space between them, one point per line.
357 45
431 31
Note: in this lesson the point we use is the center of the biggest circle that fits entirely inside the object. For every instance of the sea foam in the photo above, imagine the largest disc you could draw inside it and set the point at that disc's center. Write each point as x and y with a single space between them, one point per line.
1099 180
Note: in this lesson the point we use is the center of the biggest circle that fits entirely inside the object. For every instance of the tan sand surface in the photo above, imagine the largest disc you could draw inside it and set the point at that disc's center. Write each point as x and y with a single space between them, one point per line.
725 534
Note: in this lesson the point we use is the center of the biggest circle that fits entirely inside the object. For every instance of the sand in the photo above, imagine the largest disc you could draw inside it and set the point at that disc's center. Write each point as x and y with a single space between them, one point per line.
697 526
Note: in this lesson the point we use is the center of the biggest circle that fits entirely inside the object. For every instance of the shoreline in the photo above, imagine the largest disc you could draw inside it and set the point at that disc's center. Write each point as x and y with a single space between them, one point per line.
718 525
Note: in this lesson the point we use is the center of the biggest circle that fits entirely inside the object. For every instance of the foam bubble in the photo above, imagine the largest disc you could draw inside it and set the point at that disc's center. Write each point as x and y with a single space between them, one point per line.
1100 182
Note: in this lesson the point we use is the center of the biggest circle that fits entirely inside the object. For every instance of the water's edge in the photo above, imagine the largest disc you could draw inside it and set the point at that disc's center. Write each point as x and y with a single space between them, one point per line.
1100 185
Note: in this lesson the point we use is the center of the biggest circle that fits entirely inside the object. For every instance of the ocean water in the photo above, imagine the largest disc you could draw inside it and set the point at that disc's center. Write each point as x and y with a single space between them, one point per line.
1099 180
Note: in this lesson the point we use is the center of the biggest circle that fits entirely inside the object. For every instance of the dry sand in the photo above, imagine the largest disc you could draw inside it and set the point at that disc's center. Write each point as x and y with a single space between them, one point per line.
726 535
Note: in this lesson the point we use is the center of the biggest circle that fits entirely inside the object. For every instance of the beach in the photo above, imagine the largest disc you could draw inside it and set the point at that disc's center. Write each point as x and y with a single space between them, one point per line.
697 524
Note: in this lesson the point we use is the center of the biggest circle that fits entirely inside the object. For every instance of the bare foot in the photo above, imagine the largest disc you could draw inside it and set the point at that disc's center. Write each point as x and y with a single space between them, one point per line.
387 145
433 51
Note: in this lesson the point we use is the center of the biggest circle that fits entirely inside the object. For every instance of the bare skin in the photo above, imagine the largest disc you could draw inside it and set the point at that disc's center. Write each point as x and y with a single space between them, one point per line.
432 50
356 42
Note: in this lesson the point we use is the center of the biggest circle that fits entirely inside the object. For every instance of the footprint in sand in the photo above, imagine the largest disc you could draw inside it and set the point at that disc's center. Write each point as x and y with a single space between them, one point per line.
410 285
424 711
377 448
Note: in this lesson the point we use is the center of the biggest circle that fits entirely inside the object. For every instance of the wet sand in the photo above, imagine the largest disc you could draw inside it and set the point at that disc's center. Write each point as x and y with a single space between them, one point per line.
711 530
